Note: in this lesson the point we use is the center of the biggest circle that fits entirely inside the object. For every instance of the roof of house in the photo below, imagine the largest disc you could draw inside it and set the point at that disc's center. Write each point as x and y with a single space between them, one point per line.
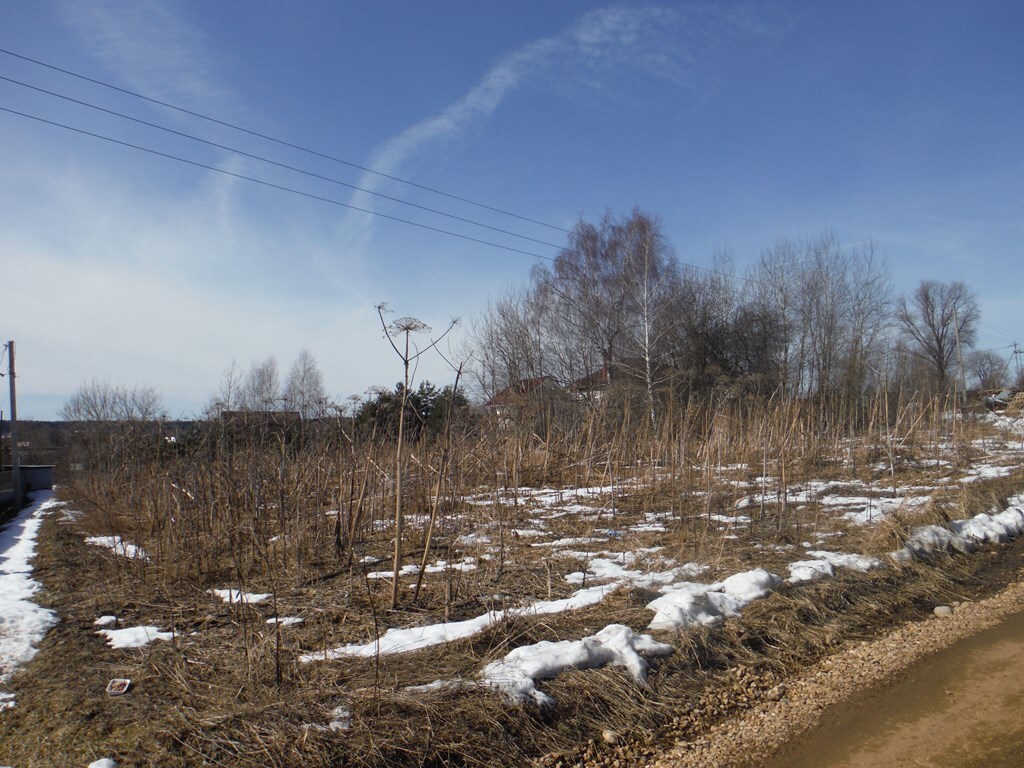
521 390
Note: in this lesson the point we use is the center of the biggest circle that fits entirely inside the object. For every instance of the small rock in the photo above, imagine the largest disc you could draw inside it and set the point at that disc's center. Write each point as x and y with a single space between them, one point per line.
943 611
776 693
610 736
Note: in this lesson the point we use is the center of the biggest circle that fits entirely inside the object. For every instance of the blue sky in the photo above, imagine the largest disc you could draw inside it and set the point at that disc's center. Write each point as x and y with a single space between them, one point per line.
735 123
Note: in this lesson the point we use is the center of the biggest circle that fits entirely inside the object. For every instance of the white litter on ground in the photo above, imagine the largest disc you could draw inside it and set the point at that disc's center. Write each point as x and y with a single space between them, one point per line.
23 623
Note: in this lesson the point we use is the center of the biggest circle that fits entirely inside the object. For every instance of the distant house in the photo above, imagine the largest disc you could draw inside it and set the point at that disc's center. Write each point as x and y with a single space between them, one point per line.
627 373
261 423
523 392
539 397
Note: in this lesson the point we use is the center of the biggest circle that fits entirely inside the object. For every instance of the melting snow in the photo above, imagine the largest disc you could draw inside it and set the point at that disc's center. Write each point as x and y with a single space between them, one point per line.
690 604
237 596
963 535
810 570
134 637
23 623
117 545
341 719
844 560
517 674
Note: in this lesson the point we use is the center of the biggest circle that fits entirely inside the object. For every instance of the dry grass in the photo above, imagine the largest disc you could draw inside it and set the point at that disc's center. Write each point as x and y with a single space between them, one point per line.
230 690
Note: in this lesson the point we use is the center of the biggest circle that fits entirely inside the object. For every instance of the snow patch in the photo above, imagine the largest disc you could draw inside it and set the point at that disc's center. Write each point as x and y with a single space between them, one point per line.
118 546
238 596
134 637
689 604
810 570
517 674
23 623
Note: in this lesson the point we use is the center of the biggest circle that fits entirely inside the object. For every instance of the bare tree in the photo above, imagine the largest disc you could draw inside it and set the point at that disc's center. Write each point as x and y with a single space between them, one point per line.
117 421
262 388
304 389
869 319
937 316
103 401
508 343
606 302
651 281
987 369
833 305
587 287
228 396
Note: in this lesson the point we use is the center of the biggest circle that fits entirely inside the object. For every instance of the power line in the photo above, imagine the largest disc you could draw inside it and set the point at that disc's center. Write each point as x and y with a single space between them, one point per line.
994 349
269 161
328 200
272 185
307 151
280 142
997 329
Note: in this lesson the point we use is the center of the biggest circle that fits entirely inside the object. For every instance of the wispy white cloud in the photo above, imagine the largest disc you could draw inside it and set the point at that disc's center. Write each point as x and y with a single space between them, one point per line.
602 50
152 49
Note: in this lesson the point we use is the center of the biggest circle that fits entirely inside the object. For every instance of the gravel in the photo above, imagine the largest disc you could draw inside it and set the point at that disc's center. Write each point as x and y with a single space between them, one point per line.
790 709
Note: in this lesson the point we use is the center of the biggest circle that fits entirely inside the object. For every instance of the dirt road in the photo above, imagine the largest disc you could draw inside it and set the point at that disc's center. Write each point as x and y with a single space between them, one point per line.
959 708
940 693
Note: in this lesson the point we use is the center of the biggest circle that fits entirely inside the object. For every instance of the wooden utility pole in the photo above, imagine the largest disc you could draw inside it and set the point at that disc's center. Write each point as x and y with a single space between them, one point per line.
15 464
959 354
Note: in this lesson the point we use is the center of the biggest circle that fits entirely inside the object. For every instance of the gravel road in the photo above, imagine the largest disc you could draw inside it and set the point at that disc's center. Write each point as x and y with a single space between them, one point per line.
756 736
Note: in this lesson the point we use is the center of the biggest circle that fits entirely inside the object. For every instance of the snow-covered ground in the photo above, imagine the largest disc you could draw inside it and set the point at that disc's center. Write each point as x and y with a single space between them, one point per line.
23 623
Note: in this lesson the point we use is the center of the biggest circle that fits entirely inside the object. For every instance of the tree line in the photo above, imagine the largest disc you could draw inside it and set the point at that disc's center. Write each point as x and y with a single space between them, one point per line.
812 318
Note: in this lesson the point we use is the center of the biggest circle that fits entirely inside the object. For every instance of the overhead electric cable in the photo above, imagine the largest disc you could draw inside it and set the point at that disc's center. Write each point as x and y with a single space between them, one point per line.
306 150
264 183
267 160
280 142
321 198
997 329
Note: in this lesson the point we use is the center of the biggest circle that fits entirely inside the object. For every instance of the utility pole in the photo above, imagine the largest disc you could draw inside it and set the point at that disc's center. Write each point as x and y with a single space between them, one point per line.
1016 357
15 465
959 354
